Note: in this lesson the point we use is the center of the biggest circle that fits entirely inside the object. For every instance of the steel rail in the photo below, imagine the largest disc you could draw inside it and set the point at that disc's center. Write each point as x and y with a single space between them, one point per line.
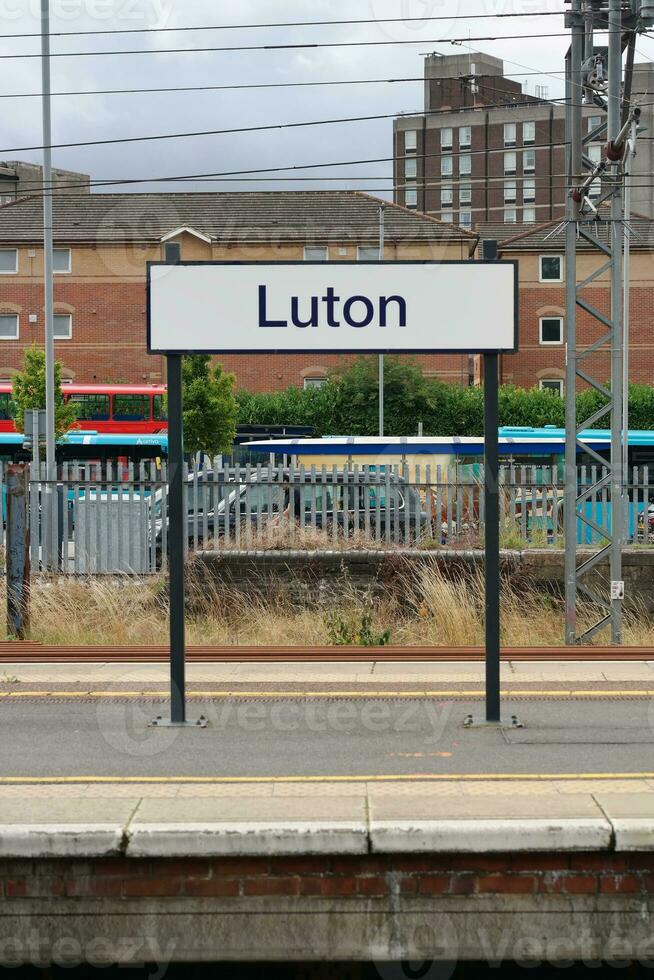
28 652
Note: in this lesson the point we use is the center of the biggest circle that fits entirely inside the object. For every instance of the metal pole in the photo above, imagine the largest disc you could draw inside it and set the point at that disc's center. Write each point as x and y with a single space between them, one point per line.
574 96
617 240
176 532
18 552
50 489
492 536
625 349
381 356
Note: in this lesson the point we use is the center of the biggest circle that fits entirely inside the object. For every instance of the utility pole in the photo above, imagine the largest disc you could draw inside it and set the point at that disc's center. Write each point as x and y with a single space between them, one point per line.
595 226
50 537
381 356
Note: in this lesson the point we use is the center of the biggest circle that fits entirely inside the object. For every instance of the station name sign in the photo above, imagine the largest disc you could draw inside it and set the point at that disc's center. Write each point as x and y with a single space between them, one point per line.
339 307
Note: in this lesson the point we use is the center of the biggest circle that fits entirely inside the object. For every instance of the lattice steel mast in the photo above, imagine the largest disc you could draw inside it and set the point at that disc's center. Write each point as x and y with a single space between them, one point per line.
596 77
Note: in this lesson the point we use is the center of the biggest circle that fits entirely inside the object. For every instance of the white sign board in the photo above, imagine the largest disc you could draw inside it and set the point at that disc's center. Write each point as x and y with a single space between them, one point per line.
344 307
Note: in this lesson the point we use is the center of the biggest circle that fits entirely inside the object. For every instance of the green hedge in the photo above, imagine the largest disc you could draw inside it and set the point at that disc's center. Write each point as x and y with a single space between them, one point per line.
348 404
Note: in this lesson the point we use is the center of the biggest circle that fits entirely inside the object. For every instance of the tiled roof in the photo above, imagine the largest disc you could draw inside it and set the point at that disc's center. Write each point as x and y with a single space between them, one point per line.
265 217
551 236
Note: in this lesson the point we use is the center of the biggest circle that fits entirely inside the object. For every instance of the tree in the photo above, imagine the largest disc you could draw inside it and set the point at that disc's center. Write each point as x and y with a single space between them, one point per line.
210 408
29 391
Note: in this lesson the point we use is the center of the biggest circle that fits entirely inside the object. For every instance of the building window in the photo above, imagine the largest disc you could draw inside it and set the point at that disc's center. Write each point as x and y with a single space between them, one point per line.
551 268
551 330
314 382
465 164
316 253
368 253
529 190
510 134
8 261
61 260
446 166
172 252
465 194
510 163
446 196
447 217
529 132
465 136
465 219
529 216
510 192
555 385
595 189
446 138
594 152
410 141
529 161
8 326
63 326
594 122
411 197
411 169
510 216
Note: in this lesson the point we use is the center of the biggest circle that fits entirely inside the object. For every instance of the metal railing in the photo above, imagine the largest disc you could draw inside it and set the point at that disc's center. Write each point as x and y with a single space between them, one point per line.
110 519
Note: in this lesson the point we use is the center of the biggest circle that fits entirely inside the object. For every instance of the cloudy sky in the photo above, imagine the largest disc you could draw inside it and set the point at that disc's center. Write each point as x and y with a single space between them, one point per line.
104 116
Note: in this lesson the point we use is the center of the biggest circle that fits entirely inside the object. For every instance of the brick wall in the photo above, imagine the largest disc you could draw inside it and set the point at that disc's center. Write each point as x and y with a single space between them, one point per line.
344 877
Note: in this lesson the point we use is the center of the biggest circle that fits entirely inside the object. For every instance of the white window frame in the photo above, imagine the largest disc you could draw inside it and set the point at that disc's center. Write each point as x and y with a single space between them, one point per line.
550 343
447 195
447 141
528 168
69 335
17 318
67 271
14 271
529 196
509 156
447 217
547 384
411 168
444 165
410 140
323 248
465 218
510 140
465 169
360 250
592 120
410 197
510 216
540 268
529 215
529 127
310 382
465 141
465 193
510 192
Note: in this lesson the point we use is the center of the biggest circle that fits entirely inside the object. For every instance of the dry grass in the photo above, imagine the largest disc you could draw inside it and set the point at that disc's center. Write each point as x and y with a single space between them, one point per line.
425 609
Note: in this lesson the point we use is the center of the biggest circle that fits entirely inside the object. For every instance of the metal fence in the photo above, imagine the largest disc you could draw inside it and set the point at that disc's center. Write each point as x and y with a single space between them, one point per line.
108 519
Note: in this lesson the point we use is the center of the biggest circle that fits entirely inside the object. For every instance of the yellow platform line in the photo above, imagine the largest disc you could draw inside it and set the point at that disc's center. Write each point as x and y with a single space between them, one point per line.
360 695
400 778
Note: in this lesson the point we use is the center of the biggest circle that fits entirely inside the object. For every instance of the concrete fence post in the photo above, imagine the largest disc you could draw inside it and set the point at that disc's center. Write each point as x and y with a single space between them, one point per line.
18 551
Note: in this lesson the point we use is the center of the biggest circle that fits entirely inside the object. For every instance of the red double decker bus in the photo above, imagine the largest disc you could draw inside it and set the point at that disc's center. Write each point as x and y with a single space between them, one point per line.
103 408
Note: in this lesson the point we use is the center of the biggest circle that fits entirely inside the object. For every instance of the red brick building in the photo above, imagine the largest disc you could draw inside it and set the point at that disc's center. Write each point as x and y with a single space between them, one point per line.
540 253
103 241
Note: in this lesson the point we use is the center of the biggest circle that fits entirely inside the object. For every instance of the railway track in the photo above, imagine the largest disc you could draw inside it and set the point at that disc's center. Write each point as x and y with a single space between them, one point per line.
27 652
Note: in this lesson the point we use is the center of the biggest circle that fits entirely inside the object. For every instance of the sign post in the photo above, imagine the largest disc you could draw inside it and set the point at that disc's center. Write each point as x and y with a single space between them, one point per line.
342 307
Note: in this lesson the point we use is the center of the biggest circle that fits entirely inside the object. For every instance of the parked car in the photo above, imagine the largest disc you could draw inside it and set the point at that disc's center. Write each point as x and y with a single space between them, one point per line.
383 506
